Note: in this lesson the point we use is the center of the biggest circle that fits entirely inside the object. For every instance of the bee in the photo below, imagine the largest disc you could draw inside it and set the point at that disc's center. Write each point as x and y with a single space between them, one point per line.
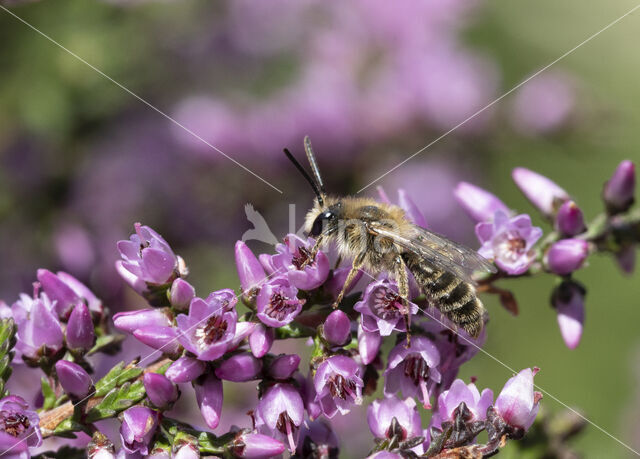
379 237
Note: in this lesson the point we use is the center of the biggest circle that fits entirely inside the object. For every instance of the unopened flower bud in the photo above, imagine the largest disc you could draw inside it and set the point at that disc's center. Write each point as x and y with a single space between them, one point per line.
517 403
185 369
163 339
284 366
260 340
542 192
139 423
254 445
130 321
250 270
368 345
567 255
79 333
160 390
479 203
568 300
209 397
337 328
181 294
73 378
570 220
619 190
239 368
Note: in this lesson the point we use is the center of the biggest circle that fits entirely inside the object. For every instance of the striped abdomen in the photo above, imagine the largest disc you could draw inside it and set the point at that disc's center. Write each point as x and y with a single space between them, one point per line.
455 298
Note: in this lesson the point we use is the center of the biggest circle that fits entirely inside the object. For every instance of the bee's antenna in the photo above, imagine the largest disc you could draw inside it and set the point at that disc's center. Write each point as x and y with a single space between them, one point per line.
306 175
314 164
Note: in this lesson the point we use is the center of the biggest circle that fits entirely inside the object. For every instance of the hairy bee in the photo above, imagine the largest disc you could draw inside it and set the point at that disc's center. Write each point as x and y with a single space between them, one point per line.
379 237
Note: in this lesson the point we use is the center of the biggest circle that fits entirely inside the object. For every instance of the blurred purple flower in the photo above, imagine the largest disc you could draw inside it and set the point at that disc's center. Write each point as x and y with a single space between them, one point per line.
381 413
139 423
542 192
73 378
460 392
79 333
381 308
209 397
368 344
261 340
626 258
568 300
292 255
517 403
280 413
509 242
337 279
66 291
210 325
406 203
413 370
338 385
160 390
619 190
319 437
239 368
185 369
570 221
277 303
39 331
19 427
567 255
337 328
284 366
479 204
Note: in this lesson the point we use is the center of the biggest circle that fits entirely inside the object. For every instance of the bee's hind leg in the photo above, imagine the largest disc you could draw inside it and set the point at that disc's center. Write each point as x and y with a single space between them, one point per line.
403 290
355 267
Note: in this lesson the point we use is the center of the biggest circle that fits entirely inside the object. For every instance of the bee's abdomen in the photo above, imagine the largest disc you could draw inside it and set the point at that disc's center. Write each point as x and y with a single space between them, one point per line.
455 298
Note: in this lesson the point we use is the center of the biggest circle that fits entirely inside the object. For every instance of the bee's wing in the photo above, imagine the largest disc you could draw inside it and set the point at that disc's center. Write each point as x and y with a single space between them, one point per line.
438 250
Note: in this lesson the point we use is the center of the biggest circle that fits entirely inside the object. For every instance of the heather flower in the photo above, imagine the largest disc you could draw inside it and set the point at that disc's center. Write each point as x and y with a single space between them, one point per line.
338 385
413 370
187 451
517 403
542 192
239 368
509 242
568 300
460 392
130 321
381 308
479 204
567 255
261 340
160 390
292 255
619 190
626 258
210 325
19 427
185 369
209 397
337 328
139 423
163 339
406 203
79 333
337 279
181 294
147 258
250 270
73 378
277 303
317 436
256 446
368 344
284 366
308 393
569 220
381 413
39 331
66 291
280 413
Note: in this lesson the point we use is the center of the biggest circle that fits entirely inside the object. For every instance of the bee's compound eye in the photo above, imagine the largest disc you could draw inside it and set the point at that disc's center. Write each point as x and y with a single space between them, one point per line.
320 222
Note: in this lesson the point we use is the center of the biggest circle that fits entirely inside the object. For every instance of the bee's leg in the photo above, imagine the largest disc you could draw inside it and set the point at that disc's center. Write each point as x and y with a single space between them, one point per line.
403 290
338 261
314 252
357 264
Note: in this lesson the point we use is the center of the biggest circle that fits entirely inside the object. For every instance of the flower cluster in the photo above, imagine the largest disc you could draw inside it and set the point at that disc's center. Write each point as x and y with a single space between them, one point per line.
224 336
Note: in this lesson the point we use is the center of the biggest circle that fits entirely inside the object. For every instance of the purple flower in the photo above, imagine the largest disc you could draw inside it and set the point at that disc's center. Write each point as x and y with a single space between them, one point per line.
210 325
256 446
130 321
337 279
317 436
160 390
567 255
250 270
261 340
284 366
338 385
385 455
568 300
381 413
185 369
337 328
39 331
277 302
368 345
406 203
239 368
570 220
66 291
381 308
542 192
460 392
413 370
187 451
138 426
626 258
509 242
280 413
618 191
479 204
163 339
148 259
292 255
309 396
79 333
181 294
73 378
517 403
19 427
209 397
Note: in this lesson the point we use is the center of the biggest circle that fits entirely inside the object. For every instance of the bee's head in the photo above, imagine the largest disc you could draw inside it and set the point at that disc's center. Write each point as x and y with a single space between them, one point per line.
323 218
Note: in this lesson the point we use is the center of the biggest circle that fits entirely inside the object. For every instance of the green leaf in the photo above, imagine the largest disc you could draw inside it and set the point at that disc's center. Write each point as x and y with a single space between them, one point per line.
65 452
67 427
105 342
109 381
8 331
117 400
48 394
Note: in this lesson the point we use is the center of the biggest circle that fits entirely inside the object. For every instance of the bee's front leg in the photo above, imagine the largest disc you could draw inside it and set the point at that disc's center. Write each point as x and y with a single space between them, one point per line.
314 252
403 290
355 267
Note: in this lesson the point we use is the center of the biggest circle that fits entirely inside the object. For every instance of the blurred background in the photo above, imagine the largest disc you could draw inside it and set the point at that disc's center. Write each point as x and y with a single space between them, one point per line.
81 159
